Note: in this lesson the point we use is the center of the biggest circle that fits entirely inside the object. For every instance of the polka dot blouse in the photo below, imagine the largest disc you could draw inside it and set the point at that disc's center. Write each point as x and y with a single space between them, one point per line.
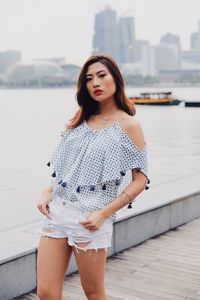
91 165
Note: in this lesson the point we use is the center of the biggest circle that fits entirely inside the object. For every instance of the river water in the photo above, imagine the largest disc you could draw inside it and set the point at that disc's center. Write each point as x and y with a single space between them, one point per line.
30 124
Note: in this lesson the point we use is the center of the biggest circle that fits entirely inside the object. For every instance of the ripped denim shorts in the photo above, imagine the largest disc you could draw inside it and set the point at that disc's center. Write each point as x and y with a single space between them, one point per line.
64 223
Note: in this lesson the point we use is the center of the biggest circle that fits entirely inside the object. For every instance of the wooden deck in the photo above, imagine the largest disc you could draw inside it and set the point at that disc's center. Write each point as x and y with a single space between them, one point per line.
163 268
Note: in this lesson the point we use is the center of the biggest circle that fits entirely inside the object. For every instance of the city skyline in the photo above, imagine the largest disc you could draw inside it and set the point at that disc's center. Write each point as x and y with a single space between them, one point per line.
55 28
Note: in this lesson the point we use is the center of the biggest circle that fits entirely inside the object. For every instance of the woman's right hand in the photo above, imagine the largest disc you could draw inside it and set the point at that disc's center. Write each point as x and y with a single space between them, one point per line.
43 204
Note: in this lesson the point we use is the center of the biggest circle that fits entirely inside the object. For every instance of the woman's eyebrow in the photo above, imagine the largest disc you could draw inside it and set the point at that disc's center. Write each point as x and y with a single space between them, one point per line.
96 73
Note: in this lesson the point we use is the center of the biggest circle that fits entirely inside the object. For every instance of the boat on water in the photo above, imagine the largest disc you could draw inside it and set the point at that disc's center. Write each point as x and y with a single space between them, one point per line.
156 98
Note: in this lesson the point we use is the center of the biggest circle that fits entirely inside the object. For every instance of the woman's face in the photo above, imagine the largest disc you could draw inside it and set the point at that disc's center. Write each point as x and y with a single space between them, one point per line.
99 82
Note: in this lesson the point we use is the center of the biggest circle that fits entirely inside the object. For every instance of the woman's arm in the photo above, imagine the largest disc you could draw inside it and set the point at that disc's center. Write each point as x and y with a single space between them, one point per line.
133 129
128 195
48 189
96 218
43 203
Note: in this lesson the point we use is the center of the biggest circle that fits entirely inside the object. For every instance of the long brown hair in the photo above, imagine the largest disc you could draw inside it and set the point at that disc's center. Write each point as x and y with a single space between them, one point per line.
87 105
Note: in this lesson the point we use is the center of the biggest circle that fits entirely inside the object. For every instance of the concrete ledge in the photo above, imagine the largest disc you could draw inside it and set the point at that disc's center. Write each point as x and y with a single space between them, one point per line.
134 230
18 276
162 208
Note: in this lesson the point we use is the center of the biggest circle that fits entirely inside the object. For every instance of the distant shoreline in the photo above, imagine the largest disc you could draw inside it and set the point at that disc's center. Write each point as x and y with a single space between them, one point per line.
151 85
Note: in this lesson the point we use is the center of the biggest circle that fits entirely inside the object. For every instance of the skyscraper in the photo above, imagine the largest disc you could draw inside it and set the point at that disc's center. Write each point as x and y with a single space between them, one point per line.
126 39
105 36
195 41
170 39
193 56
168 52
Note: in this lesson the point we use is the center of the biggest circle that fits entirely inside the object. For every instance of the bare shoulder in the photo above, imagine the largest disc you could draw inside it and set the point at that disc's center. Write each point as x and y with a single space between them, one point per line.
134 131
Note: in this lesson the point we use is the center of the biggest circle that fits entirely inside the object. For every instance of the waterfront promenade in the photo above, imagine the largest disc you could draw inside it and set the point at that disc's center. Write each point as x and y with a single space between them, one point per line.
154 254
163 268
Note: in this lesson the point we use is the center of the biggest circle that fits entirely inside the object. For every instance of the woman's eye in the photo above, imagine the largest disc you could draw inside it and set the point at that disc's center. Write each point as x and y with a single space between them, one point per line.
88 79
102 75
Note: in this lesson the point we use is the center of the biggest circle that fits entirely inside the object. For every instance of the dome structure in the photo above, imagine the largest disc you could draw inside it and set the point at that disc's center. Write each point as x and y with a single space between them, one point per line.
71 72
34 71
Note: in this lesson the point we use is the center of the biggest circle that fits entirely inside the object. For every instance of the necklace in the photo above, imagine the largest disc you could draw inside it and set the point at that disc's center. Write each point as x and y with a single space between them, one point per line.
105 119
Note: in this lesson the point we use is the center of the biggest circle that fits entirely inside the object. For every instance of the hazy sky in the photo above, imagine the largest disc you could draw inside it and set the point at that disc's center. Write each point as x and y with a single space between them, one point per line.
48 28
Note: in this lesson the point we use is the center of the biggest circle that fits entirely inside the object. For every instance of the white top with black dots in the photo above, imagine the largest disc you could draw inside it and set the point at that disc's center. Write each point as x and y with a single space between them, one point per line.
90 165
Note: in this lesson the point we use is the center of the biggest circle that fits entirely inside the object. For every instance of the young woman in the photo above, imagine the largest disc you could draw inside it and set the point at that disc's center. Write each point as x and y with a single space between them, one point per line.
102 144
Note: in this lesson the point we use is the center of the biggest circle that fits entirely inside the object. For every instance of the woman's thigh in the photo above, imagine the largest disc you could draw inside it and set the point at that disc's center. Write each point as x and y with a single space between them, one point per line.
52 262
91 265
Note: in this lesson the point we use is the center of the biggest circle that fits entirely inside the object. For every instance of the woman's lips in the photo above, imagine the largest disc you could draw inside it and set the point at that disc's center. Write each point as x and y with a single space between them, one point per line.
98 92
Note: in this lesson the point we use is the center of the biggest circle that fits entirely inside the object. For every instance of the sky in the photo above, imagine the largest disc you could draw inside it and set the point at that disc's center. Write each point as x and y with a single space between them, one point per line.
63 28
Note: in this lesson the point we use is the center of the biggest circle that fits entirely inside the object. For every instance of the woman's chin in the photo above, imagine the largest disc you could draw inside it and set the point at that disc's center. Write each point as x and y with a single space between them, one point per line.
102 98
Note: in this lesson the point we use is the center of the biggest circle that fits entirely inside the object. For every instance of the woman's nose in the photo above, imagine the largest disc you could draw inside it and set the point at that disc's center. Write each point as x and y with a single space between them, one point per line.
95 83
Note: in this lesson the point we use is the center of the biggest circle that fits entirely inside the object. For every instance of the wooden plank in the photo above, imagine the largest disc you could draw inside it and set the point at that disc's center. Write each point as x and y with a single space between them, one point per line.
156 283
146 293
163 268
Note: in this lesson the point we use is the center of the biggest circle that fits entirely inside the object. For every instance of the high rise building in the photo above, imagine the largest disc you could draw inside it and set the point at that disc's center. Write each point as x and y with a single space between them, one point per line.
169 52
148 61
126 40
195 41
137 49
192 56
170 39
8 58
105 35
165 58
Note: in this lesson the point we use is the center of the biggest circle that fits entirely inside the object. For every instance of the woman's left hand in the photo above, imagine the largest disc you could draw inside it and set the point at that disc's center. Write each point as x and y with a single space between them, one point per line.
93 221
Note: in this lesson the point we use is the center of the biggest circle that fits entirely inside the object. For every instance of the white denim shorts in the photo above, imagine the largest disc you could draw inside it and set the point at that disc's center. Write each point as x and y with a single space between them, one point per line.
64 223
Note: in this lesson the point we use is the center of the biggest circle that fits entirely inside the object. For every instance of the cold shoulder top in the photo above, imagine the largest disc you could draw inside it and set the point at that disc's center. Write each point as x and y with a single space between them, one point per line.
90 165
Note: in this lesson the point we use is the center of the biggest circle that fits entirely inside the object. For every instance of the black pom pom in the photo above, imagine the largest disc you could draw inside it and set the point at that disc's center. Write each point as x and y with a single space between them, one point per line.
122 173
104 187
117 181
54 174
147 187
60 182
64 184
48 164
78 189
130 205
148 180
92 188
